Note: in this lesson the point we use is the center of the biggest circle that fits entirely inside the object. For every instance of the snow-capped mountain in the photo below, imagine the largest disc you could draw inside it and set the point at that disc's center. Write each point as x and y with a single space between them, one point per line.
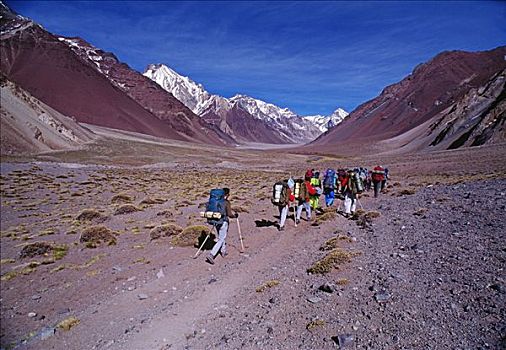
278 125
325 123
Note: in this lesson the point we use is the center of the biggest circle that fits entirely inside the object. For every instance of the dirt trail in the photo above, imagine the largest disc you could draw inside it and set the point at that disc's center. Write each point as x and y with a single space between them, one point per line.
232 277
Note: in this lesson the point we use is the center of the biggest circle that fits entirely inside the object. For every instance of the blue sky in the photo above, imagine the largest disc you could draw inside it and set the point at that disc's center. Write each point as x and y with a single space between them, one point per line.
311 57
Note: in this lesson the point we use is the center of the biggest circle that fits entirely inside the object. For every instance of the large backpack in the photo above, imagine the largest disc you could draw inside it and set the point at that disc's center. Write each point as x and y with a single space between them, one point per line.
280 194
378 174
356 184
297 189
215 210
341 174
329 179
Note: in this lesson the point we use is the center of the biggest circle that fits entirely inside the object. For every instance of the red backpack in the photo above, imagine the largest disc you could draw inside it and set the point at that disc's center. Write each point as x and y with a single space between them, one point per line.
378 174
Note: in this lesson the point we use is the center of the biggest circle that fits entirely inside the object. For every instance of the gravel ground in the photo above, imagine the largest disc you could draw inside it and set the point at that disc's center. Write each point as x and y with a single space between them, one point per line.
423 268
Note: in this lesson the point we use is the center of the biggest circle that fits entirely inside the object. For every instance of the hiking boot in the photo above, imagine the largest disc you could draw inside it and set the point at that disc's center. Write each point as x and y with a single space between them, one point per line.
281 228
297 221
210 259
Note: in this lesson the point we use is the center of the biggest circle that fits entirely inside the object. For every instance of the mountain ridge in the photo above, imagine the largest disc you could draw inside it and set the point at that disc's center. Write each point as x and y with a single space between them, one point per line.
289 126
428 91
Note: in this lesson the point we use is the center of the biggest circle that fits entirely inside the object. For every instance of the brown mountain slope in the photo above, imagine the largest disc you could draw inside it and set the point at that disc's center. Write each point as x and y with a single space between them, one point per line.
30 126
147 93
429 90
50 70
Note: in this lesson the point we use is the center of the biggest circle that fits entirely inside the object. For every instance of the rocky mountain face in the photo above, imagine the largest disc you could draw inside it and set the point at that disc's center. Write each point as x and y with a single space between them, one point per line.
28 125
237 116
477 118
435 102
92 86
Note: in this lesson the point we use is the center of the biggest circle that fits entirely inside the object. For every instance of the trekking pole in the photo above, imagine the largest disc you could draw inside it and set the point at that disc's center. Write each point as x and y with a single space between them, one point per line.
295 214
240 235
202 246
359 203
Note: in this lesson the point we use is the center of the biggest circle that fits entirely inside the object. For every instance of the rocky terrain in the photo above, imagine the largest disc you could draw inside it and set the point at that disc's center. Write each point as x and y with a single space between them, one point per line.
453 85
97 253
28 125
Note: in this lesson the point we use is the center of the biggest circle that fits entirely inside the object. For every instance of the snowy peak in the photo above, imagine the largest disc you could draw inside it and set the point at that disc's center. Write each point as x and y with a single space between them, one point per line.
191 94
229 114
261 109
324 123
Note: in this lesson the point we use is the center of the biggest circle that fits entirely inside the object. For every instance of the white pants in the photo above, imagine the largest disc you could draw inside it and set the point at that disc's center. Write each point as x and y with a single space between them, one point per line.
350 203
222 235
283 212
308 210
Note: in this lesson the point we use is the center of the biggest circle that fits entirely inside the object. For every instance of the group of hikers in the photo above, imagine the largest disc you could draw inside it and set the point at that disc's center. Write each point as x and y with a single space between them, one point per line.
344 184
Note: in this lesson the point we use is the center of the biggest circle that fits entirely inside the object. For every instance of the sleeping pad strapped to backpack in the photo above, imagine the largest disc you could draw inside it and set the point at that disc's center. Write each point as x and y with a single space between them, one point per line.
215 209
280 194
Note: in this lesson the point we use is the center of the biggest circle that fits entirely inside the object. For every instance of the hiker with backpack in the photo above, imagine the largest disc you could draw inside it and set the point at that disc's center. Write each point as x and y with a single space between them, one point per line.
219 203
306 190
378 176
314 200
282 197
351 186
329 186
384 182
368 180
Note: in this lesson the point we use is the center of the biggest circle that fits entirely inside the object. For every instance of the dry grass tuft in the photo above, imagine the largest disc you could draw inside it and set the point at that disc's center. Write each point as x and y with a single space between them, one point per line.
166 213
7 261
126 209
406 192
315 324
68 323
152 201
332 261
364 219
122 198
35 249
165 231
342 281
267 285
330 244
90 215
97 234
372 214
358 213
60 251
329 215
190 235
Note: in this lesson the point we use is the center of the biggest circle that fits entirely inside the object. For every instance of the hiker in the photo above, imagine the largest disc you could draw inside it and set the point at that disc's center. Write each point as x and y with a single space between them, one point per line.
349 190
314 200
282 196
222 229
306 191
384 182
329 186
368 180
378 175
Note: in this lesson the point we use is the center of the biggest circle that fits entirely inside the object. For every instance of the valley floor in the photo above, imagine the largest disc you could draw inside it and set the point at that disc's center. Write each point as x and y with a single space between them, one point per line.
421 267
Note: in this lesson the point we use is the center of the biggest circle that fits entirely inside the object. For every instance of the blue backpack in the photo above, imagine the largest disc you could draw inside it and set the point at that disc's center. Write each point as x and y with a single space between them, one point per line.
328 181
215 209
